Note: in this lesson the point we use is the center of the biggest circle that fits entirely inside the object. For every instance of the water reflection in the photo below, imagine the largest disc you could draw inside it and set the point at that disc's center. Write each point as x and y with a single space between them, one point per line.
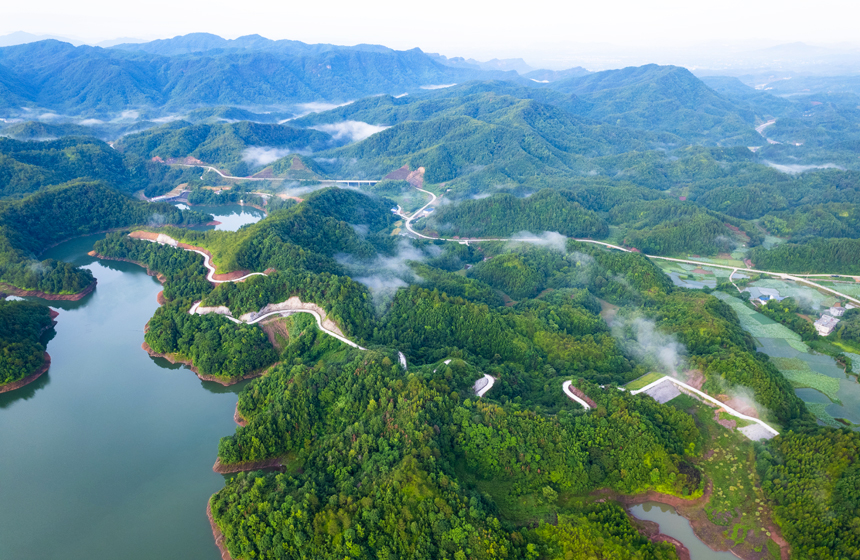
679 528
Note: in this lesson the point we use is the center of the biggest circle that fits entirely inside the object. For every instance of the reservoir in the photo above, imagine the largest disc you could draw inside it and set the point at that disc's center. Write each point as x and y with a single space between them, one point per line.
676 526
109 454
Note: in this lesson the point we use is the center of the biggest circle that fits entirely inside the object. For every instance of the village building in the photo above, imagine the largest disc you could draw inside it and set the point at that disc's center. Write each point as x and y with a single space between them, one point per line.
826 324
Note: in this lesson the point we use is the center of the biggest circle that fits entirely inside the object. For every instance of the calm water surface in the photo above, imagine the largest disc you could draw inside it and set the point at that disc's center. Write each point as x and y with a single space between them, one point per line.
109 455
676 526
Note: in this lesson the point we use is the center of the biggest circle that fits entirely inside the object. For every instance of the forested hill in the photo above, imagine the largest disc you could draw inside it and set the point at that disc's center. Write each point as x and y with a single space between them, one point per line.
93 81
665 98
30 226
221 144
523 137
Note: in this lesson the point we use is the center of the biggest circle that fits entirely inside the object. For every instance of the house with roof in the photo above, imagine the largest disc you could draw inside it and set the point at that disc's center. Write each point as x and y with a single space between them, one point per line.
826 325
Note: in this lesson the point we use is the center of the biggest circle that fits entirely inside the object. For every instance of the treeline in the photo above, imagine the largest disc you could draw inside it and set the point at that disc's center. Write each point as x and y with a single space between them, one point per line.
221 144
30 226
504 215
813 478
787 312
817 256
346 302
21 350
849 327
26 167
215 345
371 455
429 325
305 236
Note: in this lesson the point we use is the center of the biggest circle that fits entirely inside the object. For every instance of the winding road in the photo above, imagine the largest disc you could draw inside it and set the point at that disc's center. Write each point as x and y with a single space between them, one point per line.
711 399
165 240
785 276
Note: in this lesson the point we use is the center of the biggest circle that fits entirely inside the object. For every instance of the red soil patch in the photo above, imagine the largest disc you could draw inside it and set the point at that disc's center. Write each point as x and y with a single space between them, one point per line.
582 396
739 405
416 178
398 174
695 378
246 466
728 424
216 532
298 165
238 417
682 198
264 174
46 363
160 298
699 271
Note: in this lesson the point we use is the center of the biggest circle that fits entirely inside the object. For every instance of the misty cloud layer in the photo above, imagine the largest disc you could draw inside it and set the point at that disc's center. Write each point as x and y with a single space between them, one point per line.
350 130
657 350
261 155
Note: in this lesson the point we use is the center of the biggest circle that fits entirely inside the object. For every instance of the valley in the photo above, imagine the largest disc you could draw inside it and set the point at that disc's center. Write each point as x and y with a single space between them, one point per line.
515 317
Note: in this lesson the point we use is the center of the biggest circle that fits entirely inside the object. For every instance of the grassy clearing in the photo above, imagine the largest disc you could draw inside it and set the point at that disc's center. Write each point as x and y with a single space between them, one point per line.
643 381
730 465
808 378
818 410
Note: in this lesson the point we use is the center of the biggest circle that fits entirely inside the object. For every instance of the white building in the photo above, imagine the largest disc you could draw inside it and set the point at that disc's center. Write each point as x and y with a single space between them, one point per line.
836 311
826 324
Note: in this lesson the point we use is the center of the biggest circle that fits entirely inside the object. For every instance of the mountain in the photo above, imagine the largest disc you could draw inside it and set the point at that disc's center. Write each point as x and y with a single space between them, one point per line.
506 64
91 81
546 76
22 38
761 102
666 98
485 132
238 148
202 42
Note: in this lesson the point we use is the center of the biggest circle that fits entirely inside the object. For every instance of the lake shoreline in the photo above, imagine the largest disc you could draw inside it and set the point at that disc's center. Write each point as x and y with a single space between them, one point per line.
245 466
9 289
11 386
693 511
157 275
175 359
216 532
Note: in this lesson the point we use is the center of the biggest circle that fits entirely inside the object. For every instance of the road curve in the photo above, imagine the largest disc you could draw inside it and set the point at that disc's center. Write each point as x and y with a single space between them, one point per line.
194 310
707 397
481 389
786 276
566 388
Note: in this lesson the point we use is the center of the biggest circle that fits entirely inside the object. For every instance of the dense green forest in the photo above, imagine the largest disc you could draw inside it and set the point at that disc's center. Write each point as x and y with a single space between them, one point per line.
30 226
386 461
183 271
373 453
215 345
22 324
222 144
814 480
505 215
818 256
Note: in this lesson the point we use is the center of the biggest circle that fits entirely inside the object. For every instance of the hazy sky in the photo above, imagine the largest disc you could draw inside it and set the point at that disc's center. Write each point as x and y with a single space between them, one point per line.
452 27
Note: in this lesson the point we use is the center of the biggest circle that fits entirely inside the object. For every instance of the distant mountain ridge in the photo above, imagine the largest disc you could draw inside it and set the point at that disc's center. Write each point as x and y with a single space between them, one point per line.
92 81
203 42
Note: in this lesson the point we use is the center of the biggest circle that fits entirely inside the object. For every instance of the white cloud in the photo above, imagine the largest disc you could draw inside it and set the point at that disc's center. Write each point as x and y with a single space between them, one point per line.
262 155
353 130
91 122
438 86
793 169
